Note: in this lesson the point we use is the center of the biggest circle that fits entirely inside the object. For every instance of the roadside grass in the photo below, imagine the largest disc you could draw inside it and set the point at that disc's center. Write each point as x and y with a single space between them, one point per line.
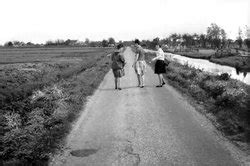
38 105
227 99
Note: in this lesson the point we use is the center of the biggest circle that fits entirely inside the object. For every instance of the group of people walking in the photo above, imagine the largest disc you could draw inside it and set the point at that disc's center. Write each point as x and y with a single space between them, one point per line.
139 65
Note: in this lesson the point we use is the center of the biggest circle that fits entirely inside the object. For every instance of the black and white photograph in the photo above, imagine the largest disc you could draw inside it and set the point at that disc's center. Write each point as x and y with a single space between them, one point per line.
125 82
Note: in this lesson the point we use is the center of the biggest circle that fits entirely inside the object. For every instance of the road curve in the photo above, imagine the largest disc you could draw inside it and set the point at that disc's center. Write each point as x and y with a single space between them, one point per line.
147 127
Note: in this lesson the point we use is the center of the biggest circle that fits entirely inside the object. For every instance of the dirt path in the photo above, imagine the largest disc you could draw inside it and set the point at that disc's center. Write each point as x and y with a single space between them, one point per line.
149 126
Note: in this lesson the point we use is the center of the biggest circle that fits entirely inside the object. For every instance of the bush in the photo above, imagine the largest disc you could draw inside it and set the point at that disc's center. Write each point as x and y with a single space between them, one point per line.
232 97
31 136
214 88
188 74
21 141
197 92
12 120
224 76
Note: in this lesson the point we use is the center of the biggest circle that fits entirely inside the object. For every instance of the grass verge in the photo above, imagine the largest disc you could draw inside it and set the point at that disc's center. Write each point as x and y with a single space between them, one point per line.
37 108
228 100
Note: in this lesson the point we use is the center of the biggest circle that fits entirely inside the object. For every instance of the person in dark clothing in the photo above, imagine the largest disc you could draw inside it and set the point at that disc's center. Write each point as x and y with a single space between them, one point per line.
118 63
160 65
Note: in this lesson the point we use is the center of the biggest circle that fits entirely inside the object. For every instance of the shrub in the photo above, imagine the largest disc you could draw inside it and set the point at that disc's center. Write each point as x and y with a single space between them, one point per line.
12 120
199 78
188 74
184 83
224 76
27 141
232 97
172 76
197 92
214 88
192 74
202 78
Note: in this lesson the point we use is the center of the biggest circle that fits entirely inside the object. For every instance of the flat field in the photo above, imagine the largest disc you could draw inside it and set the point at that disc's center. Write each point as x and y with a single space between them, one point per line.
44 54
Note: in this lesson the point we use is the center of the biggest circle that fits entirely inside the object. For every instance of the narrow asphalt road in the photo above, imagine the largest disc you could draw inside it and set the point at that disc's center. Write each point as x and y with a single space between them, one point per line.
147 127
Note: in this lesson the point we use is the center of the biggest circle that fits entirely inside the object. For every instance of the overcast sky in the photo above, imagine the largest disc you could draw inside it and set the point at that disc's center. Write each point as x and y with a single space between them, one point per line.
41 20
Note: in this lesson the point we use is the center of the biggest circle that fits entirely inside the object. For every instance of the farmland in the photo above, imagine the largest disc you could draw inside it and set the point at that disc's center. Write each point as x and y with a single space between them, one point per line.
42 91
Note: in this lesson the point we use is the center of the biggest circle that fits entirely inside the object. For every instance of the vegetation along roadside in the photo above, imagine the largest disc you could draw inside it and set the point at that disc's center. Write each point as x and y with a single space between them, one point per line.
228 100
39 101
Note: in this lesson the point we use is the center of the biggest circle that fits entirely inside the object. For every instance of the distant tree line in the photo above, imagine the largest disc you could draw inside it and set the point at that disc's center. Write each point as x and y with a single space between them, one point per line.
19 44
110 42
215 38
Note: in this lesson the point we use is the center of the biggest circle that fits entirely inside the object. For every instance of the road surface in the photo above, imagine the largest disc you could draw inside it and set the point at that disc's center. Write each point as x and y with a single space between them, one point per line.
147 127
